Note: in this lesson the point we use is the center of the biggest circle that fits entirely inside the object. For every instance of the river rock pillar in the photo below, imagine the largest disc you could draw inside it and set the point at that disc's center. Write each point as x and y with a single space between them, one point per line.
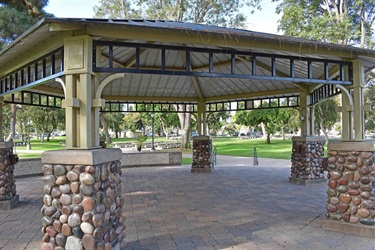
307 160
8 194
83 206
202 152
351 188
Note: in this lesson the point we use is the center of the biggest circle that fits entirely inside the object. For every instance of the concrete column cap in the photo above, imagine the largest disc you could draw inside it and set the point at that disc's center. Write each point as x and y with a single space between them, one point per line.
352 145
308 138
84 157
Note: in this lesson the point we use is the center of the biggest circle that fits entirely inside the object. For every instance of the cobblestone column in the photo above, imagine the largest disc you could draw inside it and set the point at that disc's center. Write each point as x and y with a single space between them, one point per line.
83 207
307 160
8 194
202 151
351 188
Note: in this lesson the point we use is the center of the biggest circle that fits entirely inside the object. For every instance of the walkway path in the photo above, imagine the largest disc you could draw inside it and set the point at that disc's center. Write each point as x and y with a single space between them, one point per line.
238 206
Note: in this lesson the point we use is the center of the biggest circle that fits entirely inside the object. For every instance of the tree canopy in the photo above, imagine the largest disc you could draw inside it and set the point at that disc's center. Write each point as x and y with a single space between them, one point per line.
216 12
336 21
16 16
273 119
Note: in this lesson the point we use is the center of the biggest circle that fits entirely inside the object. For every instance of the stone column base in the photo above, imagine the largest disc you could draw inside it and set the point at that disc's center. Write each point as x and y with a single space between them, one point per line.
307 160
343 227
8 193
350 195
306 182
83 203
9 204
202 170
202 152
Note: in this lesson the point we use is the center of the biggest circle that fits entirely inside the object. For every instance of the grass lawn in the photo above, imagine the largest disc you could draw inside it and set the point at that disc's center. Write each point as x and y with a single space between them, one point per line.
278 149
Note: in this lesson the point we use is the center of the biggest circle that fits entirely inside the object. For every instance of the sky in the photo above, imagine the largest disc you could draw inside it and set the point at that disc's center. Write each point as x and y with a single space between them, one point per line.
262 21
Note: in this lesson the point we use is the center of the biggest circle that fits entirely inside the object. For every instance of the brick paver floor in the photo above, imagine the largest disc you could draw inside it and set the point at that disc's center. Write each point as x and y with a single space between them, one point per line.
238 206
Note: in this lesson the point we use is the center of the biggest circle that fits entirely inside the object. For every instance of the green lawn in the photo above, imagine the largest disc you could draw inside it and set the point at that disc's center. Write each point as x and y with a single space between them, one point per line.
278 149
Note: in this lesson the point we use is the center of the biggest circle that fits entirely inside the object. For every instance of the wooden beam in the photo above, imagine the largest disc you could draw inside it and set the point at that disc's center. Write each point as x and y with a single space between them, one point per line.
151 98
253 94
272 42
49 90
64 26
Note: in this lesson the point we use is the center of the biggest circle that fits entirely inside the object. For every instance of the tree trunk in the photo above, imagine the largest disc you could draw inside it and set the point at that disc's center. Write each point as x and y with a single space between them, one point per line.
263 130
324 132
108 139
185 123
12 130
363 25
268 138
283 133
164 128
42 137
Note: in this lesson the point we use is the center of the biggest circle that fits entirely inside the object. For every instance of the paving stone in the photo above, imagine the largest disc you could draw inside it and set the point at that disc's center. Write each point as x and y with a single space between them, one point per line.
168 207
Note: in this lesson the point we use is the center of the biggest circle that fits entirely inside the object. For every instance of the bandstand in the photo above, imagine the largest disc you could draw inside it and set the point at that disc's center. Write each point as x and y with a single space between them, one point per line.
85 65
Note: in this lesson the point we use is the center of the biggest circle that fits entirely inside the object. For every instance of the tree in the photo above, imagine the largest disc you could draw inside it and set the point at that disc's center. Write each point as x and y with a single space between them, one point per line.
294 122
273 119
16 16
46 120
216 12
216 120
369 98
24 126
326 116
185 126
336 21
12 122
115 122
167 122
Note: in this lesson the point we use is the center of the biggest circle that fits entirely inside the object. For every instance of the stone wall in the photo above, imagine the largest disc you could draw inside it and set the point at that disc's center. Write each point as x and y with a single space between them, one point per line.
7 181
351 184
202 151
83 206
307 158
28 167
151 158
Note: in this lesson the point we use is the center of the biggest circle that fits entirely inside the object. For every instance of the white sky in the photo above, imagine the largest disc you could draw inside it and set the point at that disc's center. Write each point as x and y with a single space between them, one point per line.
262 21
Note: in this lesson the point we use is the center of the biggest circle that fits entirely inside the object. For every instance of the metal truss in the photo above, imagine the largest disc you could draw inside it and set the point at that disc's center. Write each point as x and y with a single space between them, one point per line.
165 107
138 107
110 66
322 93
35 99
45 68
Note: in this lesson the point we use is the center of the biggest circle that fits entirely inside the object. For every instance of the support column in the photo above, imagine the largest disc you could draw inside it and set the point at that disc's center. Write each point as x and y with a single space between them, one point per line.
346 118
312 121
1 118
82 109
358 84
305 115
202 118
351 188
83 206
8 194
202 153
307 160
